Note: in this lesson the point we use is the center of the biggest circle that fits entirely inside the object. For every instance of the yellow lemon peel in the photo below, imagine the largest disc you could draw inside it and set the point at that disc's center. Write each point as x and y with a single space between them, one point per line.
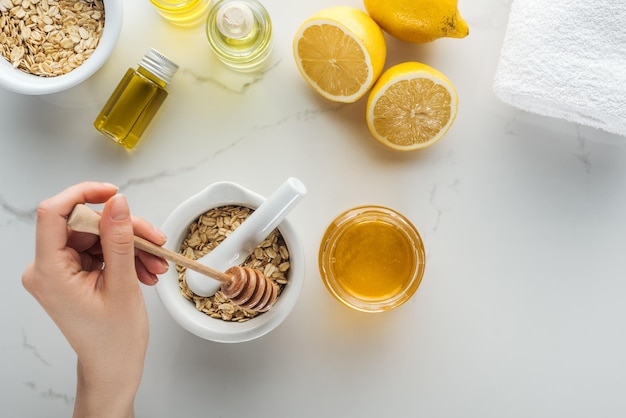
418 21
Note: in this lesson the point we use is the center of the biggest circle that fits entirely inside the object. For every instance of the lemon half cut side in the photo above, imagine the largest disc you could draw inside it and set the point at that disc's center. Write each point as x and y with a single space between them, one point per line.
411 106
340 52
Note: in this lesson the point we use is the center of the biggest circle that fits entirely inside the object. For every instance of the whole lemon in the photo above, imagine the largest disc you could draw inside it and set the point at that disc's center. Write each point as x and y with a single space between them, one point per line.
418 21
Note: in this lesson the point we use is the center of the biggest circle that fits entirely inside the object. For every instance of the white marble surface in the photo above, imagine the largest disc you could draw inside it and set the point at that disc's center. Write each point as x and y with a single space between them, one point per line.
521 310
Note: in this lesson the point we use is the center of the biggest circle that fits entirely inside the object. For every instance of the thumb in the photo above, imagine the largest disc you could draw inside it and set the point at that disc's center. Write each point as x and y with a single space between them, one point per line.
116 238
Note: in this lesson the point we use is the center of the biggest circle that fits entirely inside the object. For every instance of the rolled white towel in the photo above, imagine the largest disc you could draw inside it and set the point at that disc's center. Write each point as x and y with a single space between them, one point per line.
566 59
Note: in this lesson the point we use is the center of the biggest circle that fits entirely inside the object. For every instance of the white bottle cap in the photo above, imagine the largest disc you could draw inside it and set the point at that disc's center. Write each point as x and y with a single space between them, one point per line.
159 65
235 19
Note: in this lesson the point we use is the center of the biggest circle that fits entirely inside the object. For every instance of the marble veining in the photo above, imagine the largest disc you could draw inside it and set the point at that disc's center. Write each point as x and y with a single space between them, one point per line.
17 214
32 349
584 154
234 83
50 395
441 197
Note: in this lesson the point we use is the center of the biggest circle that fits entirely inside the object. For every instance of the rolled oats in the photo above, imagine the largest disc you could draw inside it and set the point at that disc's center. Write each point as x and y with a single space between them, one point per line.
50 37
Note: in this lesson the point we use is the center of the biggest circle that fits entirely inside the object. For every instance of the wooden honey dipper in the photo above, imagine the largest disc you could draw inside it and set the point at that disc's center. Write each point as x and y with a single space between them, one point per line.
246 287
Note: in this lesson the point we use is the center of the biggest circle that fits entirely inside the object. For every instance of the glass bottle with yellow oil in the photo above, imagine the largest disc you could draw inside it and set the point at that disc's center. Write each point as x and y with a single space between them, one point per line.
240 33
136 99
185 13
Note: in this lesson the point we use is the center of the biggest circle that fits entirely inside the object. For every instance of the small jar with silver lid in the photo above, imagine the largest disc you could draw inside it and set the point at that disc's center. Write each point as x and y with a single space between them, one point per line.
240 33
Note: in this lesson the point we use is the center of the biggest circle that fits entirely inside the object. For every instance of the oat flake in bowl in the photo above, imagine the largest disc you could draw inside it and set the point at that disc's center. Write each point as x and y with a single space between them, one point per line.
271 257
49 38
52 78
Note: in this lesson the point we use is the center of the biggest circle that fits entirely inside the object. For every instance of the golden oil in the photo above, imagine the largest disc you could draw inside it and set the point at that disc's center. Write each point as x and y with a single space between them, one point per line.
372 259
136 99
185 13
240 33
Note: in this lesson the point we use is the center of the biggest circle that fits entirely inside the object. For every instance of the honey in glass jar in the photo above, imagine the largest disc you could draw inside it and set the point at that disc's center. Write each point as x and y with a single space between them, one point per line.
372 258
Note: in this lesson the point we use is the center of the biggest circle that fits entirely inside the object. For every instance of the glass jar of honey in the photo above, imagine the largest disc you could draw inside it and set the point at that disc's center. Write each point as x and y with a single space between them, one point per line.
372 258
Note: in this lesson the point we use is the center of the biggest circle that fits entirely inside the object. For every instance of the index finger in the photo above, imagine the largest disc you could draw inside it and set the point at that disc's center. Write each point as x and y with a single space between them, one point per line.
51 232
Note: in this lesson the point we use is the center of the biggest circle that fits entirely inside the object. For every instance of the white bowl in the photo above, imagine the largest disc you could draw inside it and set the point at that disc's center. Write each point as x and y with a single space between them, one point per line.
184 312
20 82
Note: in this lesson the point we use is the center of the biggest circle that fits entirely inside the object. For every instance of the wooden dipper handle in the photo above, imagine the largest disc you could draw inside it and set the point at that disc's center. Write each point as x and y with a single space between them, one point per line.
246 287
85 219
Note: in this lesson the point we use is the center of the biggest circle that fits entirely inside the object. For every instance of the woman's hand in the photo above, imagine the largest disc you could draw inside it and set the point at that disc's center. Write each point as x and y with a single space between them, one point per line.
89 286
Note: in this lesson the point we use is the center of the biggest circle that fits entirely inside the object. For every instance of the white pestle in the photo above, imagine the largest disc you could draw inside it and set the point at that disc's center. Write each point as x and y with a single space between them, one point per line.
234 250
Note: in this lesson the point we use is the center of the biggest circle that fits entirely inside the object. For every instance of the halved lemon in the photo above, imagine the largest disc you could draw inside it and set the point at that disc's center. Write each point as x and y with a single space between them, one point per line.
411 106
340 51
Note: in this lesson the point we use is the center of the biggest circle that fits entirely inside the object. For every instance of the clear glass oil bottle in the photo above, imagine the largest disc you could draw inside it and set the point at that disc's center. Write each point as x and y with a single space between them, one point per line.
240 33
136 99
185 13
